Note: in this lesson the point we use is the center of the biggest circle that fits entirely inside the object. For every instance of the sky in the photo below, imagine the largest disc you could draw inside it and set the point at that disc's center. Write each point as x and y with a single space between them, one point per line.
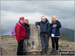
11 11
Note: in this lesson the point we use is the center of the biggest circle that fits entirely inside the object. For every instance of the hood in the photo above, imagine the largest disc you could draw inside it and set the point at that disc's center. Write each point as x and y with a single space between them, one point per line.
21 18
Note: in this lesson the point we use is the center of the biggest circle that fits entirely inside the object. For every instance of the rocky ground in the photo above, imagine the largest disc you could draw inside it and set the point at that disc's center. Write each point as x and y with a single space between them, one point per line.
8 46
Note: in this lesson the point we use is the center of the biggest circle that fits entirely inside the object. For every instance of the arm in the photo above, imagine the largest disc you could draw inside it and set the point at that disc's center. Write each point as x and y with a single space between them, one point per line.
58 24
37 24
18 32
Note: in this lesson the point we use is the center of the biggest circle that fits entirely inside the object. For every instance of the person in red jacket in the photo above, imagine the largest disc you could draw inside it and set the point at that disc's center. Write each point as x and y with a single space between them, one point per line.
20 35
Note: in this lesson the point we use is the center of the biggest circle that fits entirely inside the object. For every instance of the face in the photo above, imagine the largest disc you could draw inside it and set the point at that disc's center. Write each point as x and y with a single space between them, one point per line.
26 21
54 18
43 19
22 21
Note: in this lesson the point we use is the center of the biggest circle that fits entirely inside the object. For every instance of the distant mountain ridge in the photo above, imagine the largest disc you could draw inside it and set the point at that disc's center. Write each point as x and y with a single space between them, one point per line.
66 34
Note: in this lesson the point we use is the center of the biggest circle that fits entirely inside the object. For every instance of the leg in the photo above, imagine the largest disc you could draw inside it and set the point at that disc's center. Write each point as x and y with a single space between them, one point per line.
53 42
47 43
20 48
57 46
43 43
24 46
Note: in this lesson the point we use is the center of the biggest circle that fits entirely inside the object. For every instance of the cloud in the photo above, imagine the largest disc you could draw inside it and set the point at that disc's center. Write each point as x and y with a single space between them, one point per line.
11 16
50 8
33 10
33 6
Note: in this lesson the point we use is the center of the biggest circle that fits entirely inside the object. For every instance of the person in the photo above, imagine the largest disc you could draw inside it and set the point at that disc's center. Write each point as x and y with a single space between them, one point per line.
55 33
38 28
26 41
20 35
44 33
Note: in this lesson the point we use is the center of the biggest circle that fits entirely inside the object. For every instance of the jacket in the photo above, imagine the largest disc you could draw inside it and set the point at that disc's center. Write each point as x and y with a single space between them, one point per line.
57 33
27 30
20 32
44 27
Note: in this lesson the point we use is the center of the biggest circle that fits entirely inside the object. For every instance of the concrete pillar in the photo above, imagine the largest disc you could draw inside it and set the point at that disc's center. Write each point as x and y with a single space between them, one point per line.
34 41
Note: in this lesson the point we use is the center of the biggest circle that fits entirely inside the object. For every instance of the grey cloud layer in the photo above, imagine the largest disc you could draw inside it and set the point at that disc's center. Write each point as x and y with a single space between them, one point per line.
46 7
62 9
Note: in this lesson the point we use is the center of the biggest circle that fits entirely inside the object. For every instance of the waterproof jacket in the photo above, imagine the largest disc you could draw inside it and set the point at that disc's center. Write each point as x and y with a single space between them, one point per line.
57 33
27 30
20 32
44 27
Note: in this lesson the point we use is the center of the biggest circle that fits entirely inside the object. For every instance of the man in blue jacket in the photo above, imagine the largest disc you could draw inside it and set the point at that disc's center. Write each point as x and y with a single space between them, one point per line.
44 33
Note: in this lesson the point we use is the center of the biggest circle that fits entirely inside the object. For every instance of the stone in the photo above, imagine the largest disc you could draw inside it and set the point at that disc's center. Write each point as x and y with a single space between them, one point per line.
34 41
64 45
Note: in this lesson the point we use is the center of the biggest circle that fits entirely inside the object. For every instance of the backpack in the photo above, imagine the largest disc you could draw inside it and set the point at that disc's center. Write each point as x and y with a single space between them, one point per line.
14 31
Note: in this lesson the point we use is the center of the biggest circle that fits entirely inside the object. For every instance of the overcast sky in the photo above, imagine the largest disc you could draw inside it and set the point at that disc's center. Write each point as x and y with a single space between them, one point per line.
33 10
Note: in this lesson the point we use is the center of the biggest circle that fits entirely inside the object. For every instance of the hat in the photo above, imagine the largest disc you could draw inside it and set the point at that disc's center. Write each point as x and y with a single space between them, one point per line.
21 18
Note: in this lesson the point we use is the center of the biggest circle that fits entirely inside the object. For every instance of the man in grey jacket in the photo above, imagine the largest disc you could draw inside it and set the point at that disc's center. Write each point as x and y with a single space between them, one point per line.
44 33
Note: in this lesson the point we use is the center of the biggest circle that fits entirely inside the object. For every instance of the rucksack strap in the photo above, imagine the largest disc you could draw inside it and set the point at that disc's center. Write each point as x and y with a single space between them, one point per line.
19 24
